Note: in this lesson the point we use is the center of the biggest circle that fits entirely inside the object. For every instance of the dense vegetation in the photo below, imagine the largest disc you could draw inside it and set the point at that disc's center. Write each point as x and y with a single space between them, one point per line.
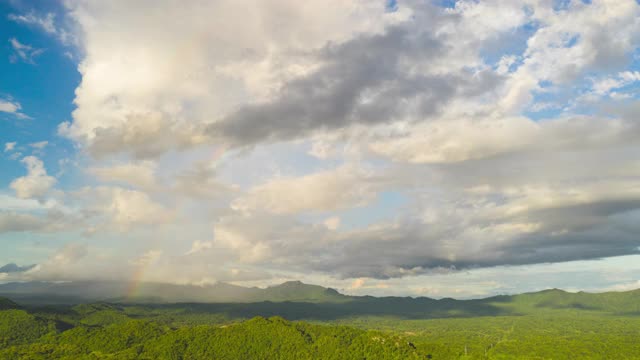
551 324
7 304
104 331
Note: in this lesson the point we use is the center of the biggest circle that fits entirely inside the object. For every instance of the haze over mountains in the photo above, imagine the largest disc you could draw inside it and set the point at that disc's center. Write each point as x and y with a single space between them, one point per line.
119 291
311 301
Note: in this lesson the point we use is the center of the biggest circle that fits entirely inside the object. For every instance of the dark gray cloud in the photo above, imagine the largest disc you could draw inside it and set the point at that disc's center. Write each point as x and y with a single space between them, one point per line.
578 232
144 135
52 220
15 222
593 230
370 79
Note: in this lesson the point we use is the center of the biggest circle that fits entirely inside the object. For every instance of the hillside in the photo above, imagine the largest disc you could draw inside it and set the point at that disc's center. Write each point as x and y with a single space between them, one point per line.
549 324
621 303
6 304
258 338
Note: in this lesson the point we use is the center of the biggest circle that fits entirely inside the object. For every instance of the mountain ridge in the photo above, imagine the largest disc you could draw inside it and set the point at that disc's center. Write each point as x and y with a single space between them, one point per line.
14 268
7 304
76 292
118 291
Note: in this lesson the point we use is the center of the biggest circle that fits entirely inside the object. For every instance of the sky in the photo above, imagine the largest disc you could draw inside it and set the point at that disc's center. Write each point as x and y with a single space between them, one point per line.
410 147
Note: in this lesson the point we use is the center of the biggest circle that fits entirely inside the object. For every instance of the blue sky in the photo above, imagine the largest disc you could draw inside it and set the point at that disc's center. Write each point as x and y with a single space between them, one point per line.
45 89
385 147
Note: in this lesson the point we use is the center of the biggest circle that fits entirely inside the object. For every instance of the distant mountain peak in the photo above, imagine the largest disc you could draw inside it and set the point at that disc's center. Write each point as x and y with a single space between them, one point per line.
296 290
554 290
6 304
75 292
333 291
14 268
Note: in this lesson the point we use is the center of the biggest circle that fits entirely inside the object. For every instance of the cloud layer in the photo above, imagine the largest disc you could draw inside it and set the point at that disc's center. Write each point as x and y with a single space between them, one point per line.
344 139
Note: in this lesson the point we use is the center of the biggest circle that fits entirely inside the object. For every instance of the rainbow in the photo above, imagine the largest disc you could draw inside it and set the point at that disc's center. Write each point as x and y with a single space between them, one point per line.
134 284
133 287
217 155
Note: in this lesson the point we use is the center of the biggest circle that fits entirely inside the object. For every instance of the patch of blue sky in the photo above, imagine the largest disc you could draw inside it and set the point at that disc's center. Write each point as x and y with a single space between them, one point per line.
631 89
635 59
547 105
559 5
544 114
264 162
573 40
25 248
555 99
387 207
549 101
22 7
44 89
445 3
510 43
391 5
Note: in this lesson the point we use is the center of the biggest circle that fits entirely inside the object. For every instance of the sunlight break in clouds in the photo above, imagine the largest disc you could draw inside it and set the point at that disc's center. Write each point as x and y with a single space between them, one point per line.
342 142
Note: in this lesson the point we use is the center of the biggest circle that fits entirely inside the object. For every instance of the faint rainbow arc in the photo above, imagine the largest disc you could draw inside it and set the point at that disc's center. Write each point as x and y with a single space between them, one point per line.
136 280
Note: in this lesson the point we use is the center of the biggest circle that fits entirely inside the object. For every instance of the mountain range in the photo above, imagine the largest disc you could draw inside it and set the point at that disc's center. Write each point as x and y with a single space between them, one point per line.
149 292
298 300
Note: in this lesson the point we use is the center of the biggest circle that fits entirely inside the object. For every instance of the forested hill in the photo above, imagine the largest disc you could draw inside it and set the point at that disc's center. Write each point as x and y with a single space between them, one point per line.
6 304
26 336
568 325
627 302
